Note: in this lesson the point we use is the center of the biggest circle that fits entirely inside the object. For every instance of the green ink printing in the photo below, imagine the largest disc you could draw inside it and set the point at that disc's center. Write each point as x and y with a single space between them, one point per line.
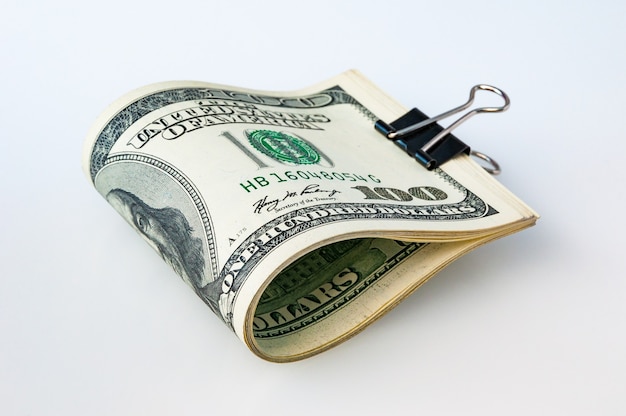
283 147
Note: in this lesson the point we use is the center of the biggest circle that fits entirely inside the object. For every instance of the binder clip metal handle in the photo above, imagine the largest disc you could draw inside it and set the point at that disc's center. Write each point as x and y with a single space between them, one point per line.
432 145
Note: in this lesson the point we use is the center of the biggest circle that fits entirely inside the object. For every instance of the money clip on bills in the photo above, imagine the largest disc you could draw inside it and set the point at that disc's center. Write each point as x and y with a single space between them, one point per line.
432 145
286 212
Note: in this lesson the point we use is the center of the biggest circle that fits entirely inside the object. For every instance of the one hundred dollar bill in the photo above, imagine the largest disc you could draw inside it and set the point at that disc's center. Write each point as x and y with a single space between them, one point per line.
287 213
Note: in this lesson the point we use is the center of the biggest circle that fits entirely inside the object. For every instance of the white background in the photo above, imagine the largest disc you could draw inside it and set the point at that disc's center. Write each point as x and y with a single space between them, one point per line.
92 322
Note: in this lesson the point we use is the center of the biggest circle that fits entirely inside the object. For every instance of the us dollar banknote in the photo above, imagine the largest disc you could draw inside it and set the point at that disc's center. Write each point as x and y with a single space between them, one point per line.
288 215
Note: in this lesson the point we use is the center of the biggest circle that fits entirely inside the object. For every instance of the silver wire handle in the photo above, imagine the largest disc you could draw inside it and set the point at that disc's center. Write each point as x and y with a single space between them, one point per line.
495 168
457 123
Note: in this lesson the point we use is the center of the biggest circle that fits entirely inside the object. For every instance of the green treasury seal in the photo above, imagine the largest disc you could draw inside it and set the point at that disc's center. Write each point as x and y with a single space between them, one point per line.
283 147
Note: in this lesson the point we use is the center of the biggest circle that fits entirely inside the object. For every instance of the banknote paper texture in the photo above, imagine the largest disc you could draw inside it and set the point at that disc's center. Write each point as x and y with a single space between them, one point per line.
289 216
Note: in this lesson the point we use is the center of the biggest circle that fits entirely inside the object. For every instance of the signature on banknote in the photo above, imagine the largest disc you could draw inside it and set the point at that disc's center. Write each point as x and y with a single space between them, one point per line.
291 199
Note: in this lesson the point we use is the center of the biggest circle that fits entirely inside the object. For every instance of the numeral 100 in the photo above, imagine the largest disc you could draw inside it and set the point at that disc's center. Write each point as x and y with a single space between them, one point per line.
428 193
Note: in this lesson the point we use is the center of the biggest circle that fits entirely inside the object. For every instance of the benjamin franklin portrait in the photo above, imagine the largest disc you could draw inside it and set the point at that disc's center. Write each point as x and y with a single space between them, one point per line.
169 232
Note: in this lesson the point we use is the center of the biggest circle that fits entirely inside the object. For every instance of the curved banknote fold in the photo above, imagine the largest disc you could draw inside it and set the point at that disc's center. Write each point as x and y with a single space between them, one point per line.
287 213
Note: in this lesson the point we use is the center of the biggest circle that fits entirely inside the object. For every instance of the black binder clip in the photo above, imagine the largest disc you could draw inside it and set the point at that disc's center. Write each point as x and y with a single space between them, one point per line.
432 145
